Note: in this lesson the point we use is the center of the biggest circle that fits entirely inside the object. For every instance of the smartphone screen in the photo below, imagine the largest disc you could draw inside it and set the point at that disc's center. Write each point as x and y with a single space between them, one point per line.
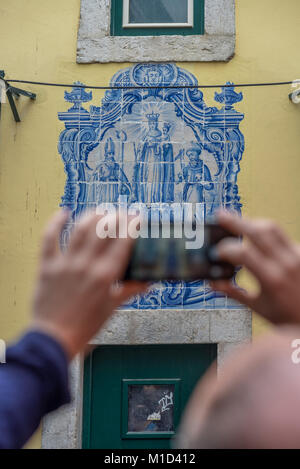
155 259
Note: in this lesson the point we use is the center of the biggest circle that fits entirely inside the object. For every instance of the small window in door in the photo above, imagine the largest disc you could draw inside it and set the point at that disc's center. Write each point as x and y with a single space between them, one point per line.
157 17
150 407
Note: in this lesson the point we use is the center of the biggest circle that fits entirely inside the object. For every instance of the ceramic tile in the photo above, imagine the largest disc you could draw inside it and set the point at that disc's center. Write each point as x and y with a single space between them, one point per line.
156 146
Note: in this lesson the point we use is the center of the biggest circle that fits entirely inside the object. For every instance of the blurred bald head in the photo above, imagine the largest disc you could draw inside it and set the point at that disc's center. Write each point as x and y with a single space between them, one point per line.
255 403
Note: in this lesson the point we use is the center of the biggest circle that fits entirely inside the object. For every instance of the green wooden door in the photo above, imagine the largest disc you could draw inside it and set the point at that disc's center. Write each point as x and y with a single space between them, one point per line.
134 395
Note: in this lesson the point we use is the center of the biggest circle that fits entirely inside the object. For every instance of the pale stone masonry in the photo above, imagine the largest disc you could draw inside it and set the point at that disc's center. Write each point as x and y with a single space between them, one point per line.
96 45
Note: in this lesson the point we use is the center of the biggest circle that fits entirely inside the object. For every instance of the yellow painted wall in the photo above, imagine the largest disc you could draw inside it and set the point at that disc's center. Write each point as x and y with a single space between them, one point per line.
38 42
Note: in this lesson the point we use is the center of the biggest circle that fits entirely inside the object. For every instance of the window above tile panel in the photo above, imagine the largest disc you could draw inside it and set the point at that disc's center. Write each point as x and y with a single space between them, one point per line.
130 31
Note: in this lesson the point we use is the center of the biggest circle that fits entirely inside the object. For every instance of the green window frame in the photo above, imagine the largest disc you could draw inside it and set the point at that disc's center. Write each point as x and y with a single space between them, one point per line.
117 28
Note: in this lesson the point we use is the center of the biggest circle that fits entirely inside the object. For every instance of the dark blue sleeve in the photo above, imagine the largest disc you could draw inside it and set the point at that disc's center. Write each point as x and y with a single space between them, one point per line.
33 382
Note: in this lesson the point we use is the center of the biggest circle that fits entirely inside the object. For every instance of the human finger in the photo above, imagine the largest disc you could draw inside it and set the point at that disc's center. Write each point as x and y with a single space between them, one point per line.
264 233
234 292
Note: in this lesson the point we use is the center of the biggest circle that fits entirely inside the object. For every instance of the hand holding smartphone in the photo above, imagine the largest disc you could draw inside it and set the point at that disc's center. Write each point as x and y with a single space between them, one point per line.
155 259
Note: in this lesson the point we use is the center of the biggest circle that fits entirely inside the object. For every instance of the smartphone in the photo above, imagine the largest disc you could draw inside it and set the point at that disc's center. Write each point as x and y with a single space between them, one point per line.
155 259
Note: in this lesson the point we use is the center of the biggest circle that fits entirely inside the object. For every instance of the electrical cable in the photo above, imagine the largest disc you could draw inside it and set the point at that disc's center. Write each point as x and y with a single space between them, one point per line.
241 85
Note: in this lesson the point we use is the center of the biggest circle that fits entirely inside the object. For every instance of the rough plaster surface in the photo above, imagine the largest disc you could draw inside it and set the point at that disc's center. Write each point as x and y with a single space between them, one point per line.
96 45
156 327
226 349
228 328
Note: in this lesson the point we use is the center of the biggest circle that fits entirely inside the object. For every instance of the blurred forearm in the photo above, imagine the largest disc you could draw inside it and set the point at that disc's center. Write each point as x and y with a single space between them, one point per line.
33 382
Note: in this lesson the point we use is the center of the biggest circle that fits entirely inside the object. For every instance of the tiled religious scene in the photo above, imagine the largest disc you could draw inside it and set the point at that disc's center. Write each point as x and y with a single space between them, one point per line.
155 145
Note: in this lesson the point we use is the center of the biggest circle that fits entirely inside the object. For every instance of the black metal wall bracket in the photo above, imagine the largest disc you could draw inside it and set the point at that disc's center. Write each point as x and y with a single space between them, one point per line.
11 92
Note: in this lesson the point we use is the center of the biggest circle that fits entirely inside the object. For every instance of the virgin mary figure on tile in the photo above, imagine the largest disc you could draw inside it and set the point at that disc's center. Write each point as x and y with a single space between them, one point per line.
108 180
149 171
